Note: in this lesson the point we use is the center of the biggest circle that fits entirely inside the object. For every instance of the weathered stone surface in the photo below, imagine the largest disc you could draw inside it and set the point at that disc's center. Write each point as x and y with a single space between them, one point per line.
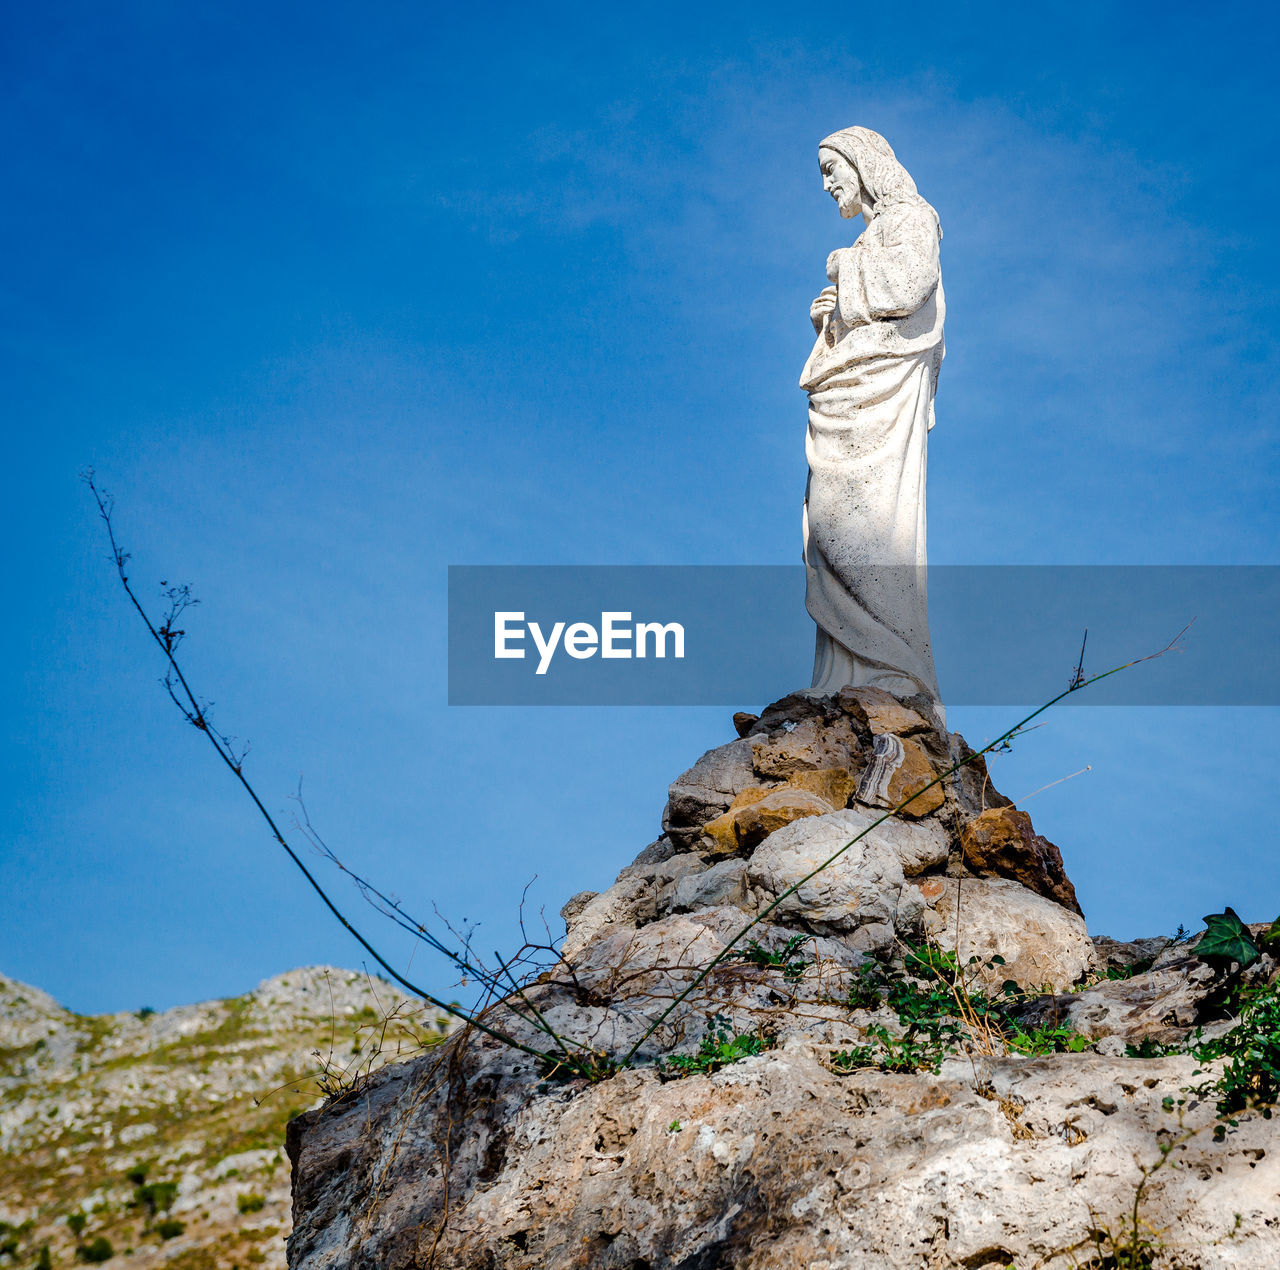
574 905
882 711
757 820
706 790
1160 1004
898 769
1002 843
864 893
1044 946
1117 954
775 1163
812 744
723 883
914 773
744 722
834 785
790 710
631 901
970 786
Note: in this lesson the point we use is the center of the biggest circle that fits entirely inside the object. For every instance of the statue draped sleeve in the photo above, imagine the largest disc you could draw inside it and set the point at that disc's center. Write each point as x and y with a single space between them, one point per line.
871 379
895 273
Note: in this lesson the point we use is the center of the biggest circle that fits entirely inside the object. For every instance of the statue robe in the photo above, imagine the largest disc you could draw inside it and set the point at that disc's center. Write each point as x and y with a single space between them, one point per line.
871 379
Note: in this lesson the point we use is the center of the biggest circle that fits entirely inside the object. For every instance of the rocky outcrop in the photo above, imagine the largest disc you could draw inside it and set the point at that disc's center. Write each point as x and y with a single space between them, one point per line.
801 1153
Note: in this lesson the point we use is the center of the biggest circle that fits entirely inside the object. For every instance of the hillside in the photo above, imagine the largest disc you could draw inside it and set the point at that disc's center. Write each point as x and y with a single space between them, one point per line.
161 1134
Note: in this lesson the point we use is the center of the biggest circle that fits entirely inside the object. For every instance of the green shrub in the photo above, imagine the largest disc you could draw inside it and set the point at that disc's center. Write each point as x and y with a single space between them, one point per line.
1047 1039
1251 1077
720 1046
137 1175
250 1203
76 1223
155 1197
939 1009
44 1261
170 1228
97 1252
784 959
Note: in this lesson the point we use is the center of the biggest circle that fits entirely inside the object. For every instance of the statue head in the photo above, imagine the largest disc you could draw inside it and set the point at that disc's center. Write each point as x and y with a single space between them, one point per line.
861 172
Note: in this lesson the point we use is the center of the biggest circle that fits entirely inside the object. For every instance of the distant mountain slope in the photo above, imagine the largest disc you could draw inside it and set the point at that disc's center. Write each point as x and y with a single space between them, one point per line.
158 1137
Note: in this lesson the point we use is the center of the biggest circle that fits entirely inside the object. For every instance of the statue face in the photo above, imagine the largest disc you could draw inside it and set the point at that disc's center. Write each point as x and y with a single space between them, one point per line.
840 180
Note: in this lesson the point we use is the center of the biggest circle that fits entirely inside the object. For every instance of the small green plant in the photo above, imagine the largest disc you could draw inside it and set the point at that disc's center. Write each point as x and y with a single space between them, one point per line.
941 1011
76 1224
867 987
1251 1076
785 958
98 1251
719 1047
137 1175
931 1002
250 1203
44 1261
674 1127
1047 1039
145 1013
1147 1048
170 1228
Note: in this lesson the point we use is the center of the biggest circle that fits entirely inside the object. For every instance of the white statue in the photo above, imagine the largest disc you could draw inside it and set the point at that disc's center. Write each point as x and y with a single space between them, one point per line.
871 379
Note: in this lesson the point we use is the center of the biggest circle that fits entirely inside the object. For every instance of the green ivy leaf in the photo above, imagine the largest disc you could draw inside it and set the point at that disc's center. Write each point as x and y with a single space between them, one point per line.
1226 938
1272 934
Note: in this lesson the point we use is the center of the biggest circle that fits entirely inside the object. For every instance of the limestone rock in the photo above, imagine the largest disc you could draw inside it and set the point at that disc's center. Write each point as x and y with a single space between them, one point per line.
722 832
723 883
775 1163
864 893
706 790
1001 843
574 905
1161 1004
756 821
834 785
631 901
483 1158
812 744
970 787
882 711
1137 954
1045 946
899 769
744 722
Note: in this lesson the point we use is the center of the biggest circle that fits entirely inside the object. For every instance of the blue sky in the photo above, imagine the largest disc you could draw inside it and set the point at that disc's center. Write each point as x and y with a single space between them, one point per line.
333 297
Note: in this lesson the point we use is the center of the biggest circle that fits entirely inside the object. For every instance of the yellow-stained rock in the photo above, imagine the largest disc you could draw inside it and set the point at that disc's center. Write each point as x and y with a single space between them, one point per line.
915 772
779 807
834 784
722 833
752 794
809 746
757 812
